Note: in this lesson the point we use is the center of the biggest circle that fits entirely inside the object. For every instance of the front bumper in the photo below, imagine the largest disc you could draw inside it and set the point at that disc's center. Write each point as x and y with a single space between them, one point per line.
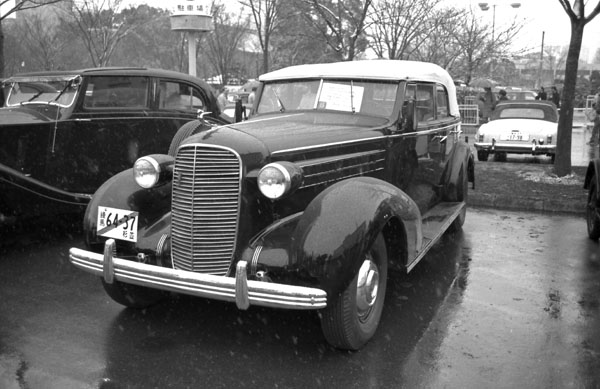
515 148
240 290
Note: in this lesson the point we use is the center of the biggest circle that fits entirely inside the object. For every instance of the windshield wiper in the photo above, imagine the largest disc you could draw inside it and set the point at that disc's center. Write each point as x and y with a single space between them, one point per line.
32 98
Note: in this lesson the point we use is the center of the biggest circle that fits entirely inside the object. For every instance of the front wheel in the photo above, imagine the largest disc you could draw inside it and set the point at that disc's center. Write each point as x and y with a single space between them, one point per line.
351 319
592 212
133 296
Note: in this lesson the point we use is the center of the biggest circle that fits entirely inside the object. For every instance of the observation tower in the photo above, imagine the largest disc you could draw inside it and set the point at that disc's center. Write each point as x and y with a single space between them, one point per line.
192 17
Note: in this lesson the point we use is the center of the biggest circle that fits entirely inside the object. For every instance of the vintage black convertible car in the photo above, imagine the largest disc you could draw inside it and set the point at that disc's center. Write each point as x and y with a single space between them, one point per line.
342 171
64 133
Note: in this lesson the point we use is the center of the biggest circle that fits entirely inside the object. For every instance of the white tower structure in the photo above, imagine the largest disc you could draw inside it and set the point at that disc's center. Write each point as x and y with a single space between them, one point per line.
192 17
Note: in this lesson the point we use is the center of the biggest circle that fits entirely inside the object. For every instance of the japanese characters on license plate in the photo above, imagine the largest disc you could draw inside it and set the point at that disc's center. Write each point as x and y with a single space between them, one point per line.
515 135
117 223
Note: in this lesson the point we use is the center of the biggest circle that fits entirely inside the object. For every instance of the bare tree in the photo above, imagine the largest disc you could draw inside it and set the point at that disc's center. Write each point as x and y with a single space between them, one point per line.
266 15
225 40
342 24
101 25
576 13
41 39
19 5
398 26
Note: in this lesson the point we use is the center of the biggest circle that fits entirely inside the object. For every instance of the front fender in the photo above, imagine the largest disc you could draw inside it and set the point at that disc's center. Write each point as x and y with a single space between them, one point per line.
122 192
592 173
341 223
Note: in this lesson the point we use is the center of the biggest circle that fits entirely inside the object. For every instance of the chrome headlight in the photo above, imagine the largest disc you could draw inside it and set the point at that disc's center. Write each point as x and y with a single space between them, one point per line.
146 171
153 170
278 179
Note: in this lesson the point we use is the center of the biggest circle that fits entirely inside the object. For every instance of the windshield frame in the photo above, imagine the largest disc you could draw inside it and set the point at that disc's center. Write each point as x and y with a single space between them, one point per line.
339 95
55 95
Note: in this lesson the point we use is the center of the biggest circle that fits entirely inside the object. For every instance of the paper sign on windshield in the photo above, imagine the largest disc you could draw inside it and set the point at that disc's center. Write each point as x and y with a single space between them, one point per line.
341 97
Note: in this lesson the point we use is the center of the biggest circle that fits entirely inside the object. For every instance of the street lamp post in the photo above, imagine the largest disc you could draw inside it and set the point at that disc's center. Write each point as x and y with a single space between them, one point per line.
486 6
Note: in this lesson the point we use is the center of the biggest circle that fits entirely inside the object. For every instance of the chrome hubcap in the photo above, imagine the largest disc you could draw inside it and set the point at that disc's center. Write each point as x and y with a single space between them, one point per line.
367 287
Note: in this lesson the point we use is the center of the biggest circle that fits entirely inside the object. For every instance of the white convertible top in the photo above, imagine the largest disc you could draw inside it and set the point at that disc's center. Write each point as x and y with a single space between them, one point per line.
376 69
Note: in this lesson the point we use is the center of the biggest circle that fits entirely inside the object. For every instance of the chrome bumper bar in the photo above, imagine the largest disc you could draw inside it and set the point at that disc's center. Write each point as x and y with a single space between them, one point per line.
240 290
516 148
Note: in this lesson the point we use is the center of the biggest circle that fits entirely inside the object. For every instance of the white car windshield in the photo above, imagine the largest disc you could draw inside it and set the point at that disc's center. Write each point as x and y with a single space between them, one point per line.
521 113
59 91
361 97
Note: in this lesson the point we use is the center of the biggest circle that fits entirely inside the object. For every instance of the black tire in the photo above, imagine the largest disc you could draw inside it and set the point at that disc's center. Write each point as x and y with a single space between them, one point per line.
349 321
184 131
482 155
133 296
592 212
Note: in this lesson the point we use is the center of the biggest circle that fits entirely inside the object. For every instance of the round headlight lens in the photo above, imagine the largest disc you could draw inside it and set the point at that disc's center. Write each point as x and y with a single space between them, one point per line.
146 172
274 181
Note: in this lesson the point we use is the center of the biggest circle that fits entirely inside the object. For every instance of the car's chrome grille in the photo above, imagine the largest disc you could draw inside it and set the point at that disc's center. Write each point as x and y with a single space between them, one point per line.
205 209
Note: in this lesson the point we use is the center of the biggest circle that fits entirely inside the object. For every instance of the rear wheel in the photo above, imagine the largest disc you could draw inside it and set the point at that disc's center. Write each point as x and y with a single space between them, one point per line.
462 194
482 155
133 296
351 319
592 212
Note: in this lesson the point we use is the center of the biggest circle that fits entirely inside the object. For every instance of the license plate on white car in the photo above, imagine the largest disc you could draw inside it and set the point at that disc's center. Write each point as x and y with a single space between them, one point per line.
117 223
515 135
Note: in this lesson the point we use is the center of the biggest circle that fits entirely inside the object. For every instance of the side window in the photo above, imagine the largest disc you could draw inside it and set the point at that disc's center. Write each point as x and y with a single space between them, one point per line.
425 103
442 102
180 96
116 92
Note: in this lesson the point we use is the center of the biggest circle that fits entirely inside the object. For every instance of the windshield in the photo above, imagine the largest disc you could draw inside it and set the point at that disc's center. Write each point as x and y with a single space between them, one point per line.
363 97
41 90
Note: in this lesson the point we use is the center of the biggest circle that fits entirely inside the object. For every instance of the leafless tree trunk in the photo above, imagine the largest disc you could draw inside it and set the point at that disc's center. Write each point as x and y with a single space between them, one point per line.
576 13
266 14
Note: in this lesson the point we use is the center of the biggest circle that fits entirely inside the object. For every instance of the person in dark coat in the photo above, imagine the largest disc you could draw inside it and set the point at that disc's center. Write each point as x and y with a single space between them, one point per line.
555 97
541 94
502 95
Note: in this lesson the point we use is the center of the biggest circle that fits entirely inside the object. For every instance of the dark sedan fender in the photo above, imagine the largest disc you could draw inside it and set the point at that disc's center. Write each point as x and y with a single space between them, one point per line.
122 192
593 171
328 240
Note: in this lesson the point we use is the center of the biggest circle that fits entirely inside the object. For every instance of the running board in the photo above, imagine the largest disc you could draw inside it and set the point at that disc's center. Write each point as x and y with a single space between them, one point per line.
435 223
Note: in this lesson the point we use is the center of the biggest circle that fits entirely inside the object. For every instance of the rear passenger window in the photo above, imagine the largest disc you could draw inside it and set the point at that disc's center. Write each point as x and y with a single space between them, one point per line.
180 96
116 92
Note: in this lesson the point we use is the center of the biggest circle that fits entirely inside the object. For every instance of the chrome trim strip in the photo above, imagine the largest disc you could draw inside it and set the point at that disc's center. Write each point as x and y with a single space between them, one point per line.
375 138
255 256
265 294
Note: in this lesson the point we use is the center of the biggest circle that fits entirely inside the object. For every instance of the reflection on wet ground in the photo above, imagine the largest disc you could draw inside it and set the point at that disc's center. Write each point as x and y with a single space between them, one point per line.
512 301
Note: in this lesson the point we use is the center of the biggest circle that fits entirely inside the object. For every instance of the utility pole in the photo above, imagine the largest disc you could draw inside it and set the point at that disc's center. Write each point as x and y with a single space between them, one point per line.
541 68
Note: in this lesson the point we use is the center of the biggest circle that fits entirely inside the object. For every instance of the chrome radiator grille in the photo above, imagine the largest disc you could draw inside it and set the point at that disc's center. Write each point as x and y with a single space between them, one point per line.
205 209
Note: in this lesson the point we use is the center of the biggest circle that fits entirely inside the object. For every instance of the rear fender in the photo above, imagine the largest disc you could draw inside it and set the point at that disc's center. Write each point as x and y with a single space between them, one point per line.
461 156
341 223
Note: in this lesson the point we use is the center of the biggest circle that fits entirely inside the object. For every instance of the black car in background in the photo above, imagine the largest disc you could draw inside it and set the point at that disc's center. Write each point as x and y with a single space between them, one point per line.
64 133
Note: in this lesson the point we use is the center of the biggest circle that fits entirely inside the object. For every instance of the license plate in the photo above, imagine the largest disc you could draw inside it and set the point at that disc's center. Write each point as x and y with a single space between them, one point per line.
516 136
117 223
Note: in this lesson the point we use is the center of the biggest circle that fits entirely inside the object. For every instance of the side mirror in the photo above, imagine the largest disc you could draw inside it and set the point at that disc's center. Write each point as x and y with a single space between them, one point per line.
409 115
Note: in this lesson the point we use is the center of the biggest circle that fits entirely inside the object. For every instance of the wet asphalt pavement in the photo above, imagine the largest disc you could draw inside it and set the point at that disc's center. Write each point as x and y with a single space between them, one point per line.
512 301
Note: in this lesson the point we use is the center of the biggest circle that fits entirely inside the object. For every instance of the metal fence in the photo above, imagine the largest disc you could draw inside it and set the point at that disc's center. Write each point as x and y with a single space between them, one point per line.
469 114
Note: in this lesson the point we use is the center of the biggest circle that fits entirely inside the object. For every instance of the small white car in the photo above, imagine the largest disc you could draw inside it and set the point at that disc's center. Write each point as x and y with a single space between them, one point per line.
519 127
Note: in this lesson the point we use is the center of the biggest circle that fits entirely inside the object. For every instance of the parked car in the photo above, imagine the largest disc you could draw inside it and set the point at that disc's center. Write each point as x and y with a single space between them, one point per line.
343 170
519 127
65 133
521 95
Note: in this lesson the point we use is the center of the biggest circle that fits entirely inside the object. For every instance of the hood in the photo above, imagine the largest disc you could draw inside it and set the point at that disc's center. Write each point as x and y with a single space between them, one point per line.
28 114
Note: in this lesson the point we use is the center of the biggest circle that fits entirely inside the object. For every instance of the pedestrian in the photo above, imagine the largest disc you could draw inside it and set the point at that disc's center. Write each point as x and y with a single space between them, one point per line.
596 130
555 97
487 104
541 94
502 95
222 98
